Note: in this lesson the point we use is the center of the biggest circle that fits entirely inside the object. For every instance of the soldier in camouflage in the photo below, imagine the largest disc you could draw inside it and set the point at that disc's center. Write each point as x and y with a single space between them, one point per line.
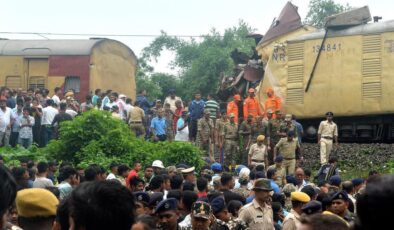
231 141
201 217
219 128
205 132
273 129
245 131
287 126
169 116
260 127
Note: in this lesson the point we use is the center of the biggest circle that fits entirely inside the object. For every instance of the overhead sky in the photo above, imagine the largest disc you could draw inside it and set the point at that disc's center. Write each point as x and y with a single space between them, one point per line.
149 17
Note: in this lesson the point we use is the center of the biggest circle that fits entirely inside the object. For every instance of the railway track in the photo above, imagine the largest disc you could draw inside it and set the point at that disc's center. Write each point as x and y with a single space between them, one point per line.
354 156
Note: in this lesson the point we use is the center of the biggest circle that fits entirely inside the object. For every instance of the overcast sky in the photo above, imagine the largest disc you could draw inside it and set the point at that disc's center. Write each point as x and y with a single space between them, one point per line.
149 17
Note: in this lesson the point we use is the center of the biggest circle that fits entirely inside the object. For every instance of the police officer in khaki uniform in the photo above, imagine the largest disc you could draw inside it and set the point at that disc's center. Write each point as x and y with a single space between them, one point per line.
135 119
328 131
258 214
293 219
230 141
287 147
258 153
280 171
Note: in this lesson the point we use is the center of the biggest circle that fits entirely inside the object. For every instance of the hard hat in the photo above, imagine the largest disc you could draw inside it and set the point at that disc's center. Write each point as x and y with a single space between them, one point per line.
158 163
237 97
260 138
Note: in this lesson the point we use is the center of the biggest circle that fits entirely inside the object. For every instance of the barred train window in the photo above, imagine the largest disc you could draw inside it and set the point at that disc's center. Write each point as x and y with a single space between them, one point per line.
72 83
13 82
37 82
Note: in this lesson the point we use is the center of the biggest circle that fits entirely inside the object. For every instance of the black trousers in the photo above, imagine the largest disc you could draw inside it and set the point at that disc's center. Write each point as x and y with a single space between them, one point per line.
193 129
162 137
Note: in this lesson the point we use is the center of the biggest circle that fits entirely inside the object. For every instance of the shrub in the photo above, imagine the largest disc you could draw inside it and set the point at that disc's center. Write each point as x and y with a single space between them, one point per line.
12 156
96 137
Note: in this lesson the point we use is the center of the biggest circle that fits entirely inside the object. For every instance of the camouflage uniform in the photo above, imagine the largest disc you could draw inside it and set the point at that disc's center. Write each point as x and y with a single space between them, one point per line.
219 127
204 129
170 125
220 123
230 143
243 191
260 128
285 127
233 224
202 210
245 131
237 224
350 217
273 129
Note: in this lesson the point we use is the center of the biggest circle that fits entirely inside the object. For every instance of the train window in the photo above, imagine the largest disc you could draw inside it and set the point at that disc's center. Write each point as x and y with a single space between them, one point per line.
72 83
37 82
13 82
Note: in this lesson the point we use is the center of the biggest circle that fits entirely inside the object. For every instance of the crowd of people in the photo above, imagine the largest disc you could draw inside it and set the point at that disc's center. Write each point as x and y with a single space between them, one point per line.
45 195
237 133
253 178
34 116
227 134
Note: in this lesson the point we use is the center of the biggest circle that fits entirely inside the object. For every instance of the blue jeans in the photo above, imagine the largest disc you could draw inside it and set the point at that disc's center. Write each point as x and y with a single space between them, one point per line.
14 138
25 142
46 134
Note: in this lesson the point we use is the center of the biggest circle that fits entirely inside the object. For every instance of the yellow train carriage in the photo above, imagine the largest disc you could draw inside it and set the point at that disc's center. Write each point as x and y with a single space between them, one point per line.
353 78
81 65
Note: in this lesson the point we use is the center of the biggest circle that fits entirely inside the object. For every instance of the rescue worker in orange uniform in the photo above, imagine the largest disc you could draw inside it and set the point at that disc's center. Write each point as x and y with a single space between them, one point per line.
273 102
251 106
232 107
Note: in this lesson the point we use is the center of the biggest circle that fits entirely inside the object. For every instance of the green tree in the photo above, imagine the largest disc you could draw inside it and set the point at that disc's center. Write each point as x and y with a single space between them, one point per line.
156 84
143 80
201 62
319 10
165 82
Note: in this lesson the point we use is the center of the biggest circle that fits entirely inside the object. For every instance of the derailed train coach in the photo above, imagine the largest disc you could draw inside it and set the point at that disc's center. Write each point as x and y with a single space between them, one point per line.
79 65
345 68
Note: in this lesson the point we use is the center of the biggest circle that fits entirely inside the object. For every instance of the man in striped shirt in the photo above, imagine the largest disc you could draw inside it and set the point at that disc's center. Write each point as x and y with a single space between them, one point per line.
213 107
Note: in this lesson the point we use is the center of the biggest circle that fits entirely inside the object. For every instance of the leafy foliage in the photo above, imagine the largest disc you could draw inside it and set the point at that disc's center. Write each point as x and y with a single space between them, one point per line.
200 62
144 82
96 137
13 156
319 10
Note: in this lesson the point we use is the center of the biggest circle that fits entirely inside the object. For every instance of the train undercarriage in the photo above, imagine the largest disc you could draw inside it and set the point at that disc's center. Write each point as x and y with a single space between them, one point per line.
363 129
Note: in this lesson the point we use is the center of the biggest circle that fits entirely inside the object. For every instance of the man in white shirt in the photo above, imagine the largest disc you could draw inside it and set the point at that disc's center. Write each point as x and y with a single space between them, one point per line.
115 100
128 106
6 121
69 174
114 171
171 99
48 113
58 94
41 180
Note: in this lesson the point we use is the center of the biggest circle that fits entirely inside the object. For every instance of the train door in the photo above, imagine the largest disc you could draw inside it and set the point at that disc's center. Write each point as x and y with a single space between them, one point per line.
37 74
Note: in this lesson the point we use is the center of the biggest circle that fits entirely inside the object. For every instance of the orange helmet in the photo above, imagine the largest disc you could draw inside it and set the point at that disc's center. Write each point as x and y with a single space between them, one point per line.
269 90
